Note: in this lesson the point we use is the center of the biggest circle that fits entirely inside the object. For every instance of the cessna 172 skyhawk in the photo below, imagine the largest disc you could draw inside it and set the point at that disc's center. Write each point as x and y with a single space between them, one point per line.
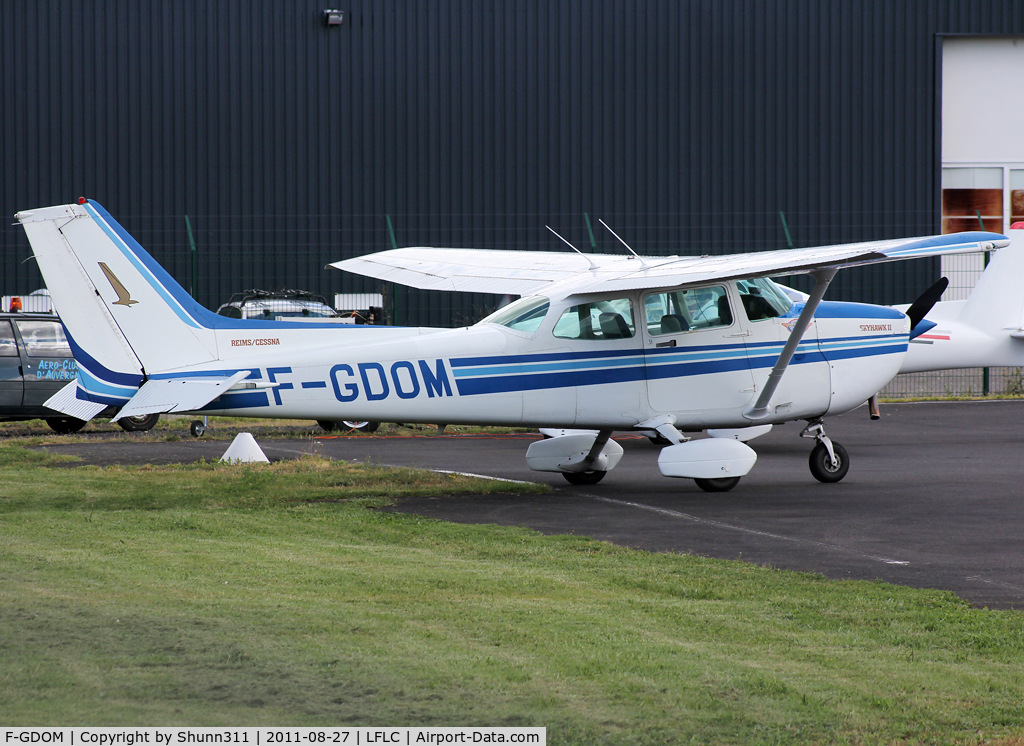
668 345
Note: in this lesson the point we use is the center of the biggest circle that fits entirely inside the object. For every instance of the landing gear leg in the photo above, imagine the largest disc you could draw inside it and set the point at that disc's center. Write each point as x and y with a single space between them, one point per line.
829 461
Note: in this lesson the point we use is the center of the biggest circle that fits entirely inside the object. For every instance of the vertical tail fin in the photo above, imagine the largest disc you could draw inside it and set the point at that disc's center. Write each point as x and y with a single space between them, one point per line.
125 316
996 303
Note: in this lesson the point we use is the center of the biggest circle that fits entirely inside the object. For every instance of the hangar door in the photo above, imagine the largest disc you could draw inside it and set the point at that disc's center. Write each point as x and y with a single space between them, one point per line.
982 145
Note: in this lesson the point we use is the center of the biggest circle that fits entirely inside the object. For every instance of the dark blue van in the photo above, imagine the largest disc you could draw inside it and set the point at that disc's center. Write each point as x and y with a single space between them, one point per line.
35 363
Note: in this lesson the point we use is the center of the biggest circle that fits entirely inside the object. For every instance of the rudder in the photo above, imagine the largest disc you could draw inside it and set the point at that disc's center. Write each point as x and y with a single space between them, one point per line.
125 316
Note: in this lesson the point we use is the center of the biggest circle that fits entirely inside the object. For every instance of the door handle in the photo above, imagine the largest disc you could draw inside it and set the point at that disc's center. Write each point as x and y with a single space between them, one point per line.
670 343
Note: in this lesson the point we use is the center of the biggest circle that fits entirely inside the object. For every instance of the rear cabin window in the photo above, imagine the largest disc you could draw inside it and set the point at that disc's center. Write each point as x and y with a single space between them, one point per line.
603 319
679 311
44 338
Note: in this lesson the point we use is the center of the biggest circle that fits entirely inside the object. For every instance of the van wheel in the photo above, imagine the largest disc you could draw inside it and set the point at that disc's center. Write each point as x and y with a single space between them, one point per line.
65 425
139 424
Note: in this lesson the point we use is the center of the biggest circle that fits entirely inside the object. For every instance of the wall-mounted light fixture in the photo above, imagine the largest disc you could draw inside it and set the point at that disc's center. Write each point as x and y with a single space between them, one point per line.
334 17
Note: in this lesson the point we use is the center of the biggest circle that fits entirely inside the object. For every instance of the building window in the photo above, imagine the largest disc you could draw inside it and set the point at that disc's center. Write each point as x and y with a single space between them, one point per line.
972 197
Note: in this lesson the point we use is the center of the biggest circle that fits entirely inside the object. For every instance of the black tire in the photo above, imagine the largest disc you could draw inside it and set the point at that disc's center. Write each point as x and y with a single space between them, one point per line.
821 464
65 425
363 427
139 424
197 428
720 484
580 478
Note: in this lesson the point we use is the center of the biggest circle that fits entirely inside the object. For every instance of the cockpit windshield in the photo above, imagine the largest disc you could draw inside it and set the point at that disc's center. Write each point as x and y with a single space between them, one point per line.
523 315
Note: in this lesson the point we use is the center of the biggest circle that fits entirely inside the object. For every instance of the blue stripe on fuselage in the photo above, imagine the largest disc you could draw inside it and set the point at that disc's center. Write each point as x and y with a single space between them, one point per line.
238 401
482 376
504 384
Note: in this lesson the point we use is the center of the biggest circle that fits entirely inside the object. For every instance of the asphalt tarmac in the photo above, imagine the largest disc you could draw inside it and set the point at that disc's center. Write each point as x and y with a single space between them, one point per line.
934 497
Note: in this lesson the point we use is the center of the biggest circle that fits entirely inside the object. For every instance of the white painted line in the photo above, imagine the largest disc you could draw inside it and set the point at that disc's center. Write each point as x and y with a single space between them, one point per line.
458 473
479 476
995 582
741 529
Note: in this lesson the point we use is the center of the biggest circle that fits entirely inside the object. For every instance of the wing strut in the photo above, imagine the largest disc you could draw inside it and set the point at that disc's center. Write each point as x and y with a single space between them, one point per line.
822 278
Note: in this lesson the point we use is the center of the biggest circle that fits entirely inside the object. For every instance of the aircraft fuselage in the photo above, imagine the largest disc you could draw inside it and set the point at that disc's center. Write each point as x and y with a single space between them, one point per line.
490 374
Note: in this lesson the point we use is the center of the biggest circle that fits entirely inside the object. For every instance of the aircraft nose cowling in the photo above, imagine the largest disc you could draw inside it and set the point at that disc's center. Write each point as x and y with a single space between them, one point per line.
712 458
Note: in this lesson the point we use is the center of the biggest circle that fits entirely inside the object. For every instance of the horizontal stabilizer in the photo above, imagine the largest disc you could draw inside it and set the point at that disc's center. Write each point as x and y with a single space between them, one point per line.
66 401
165 395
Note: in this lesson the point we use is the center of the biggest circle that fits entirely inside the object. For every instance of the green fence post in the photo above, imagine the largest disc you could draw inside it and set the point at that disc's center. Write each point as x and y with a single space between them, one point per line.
785 227
394 291
593 243
984 371
195 260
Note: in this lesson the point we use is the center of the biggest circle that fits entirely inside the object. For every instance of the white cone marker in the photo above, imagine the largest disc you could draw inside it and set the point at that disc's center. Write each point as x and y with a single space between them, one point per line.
244 449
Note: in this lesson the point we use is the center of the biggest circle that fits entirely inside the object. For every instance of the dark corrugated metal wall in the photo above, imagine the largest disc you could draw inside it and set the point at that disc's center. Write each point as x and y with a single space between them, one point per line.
688 126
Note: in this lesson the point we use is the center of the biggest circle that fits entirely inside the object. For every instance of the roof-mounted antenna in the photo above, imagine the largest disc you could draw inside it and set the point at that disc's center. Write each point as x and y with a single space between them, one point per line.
635 255
592 265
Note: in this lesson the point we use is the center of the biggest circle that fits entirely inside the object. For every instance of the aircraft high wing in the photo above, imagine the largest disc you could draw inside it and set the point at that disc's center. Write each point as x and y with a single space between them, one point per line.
527 272
665 345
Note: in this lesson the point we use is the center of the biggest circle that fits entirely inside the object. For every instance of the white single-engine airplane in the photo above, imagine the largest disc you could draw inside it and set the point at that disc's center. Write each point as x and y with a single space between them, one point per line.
661 345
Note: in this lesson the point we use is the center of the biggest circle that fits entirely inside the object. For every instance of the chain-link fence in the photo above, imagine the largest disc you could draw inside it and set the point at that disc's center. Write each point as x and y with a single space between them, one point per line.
956 383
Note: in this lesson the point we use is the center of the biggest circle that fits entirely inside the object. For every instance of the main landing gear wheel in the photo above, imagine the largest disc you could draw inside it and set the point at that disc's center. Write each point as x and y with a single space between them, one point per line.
583 477
821 464
719 484
139 423
197 428
65 425
363 427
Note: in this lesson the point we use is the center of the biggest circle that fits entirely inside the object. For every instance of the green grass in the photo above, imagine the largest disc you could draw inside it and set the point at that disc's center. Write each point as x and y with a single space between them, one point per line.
246 595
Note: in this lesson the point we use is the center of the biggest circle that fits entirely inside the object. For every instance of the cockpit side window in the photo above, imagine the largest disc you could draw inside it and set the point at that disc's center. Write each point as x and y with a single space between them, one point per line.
602 319
676 311
763 299
524 315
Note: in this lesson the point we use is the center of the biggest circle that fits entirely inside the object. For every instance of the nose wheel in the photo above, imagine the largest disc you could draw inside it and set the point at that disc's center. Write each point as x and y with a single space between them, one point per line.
829 461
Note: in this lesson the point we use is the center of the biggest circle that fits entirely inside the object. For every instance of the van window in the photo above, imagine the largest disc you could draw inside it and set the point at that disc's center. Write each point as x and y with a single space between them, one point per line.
44 338
8 345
